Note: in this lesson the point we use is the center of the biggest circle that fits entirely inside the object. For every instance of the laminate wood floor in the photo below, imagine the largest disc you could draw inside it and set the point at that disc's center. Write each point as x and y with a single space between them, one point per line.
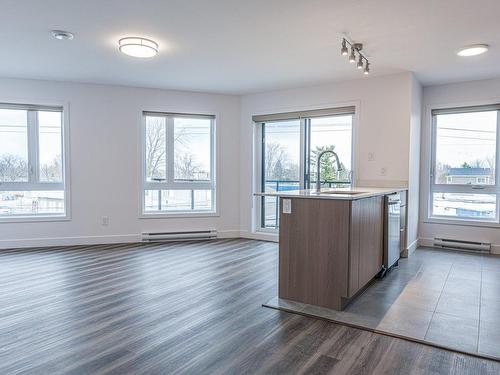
181 308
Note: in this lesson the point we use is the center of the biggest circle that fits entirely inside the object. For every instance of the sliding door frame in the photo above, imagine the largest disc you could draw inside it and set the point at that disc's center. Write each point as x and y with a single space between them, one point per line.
304 159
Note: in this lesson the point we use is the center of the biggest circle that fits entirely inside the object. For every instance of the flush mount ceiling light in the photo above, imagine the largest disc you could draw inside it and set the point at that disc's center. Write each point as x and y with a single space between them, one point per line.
62 35
138 47
473 50
355 51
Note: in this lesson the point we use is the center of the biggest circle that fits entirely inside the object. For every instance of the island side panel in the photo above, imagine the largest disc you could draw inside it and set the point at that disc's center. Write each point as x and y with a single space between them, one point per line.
353 285
314 246
368 230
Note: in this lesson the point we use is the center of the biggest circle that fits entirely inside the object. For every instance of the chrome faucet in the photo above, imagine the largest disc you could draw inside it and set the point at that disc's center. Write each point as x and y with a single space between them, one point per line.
318 167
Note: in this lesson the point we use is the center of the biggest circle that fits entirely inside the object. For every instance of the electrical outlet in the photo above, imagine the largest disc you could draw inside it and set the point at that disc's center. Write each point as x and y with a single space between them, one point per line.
287 206
383 171
371 156
105 221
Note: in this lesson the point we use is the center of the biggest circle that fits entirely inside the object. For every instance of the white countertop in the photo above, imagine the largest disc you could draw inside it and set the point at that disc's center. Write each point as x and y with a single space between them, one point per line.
338 193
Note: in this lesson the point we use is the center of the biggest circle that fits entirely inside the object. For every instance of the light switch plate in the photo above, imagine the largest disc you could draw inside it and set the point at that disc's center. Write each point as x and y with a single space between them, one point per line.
287 206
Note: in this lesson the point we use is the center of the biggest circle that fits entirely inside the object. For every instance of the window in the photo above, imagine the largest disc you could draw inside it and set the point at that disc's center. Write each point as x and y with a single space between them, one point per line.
290 143
32 176
178 163
463 182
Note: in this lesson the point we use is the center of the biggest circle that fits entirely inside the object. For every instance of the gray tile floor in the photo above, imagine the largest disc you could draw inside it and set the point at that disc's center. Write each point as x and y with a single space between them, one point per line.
448 298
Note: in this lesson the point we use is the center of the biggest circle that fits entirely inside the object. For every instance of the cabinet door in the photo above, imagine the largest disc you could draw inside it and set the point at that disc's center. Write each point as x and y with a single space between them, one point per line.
366 240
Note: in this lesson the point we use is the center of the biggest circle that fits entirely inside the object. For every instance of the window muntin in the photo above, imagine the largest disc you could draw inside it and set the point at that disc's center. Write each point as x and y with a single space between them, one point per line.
32 180
288 152
464 157
179 163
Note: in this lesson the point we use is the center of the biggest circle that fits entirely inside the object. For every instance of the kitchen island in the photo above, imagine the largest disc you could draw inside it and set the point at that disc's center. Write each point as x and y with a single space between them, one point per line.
331 243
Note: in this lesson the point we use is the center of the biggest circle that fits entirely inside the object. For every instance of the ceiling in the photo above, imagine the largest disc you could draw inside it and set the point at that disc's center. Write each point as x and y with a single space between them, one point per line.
244 46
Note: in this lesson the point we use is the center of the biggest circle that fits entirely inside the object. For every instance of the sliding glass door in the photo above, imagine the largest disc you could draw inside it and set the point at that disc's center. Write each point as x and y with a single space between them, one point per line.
333 133
280 164
289 150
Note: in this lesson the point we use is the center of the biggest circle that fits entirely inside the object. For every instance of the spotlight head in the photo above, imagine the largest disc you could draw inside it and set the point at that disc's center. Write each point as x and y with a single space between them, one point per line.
344 51
359 65
367 68
352 57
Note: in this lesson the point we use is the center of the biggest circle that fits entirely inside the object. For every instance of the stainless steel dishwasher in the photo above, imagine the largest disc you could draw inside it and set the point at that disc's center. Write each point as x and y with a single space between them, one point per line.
392 241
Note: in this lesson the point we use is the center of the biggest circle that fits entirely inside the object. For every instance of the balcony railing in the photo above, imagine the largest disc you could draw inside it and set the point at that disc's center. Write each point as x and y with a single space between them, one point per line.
270 205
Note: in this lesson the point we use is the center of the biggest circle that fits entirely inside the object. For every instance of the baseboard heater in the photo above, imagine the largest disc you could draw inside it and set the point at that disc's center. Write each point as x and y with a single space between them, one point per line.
446 243
199 235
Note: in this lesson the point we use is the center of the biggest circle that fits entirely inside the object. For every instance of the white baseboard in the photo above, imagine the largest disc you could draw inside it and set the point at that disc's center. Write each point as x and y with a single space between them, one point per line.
69 241
228 234
412 247
89 240
127 238
271 237
426 242
495 249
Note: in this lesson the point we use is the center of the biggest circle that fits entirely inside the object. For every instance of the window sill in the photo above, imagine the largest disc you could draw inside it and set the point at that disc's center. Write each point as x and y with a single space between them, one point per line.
462 222
34 219
179 215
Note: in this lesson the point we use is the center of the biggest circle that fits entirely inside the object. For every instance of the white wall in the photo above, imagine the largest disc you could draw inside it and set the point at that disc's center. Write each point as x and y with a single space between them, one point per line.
104 131
383 127
104 152
414 164
466 93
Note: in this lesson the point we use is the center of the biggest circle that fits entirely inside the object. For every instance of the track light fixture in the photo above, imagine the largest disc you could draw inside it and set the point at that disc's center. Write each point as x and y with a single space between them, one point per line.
355 51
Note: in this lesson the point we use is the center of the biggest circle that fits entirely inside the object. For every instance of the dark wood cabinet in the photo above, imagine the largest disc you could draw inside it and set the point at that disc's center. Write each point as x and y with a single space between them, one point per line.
329 249
366 247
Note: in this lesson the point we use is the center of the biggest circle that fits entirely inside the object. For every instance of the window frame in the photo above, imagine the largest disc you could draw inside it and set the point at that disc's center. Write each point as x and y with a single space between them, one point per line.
170 183
433 187
33 183
258 169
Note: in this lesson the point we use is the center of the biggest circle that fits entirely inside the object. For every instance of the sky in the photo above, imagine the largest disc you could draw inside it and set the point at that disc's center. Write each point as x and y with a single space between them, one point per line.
335 130
14 138
466 137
